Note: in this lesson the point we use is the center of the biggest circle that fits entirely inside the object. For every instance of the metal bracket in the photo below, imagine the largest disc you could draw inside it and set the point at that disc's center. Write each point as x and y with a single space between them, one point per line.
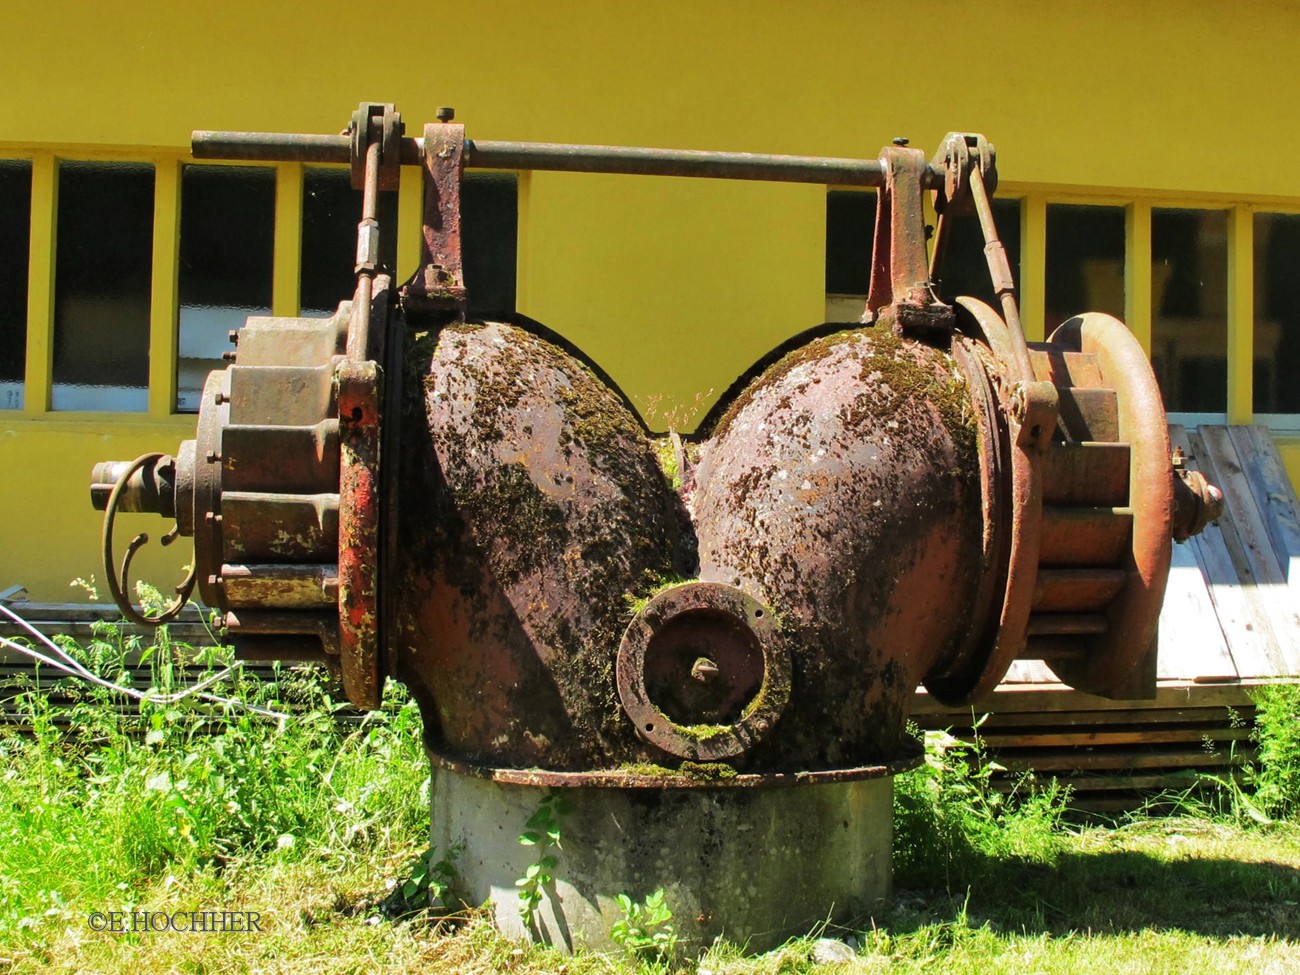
439 285
900 292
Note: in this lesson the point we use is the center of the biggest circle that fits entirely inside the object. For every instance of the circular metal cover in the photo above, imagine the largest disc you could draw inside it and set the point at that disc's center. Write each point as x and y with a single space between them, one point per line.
702 671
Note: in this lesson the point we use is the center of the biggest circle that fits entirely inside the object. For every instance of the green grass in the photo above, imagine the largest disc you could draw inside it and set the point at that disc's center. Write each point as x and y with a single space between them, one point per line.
320 828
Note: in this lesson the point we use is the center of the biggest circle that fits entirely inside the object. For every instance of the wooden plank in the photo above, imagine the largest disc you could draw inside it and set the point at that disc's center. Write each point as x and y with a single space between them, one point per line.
1072 719
1058 697
1274 496
1083 787
1066 761
1252 552
1243 621
1191 642
1150 735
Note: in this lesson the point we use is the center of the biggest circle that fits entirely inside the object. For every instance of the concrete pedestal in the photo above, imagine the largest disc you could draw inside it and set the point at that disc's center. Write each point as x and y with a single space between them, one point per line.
756 865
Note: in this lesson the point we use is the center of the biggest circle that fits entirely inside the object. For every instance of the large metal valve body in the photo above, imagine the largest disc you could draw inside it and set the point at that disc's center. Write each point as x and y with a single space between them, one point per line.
680 628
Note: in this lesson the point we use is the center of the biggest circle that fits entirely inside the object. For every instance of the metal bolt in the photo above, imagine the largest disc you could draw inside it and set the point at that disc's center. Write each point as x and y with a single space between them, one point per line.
704 670
229 355
233 335
213 457
212 518
900 141
219 398
445 114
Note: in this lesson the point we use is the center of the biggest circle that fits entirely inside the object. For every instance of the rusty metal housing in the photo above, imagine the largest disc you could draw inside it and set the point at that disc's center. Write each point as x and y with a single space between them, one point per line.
471 508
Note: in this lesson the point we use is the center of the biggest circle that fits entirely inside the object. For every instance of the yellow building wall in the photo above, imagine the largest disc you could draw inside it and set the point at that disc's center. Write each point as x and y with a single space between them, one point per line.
674 287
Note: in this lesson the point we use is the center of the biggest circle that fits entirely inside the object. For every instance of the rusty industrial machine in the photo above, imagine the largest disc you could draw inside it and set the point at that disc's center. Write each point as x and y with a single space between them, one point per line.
709 644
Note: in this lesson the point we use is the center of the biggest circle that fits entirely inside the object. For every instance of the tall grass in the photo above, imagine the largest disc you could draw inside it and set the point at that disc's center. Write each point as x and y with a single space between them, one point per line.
102 796
950 817
1275 775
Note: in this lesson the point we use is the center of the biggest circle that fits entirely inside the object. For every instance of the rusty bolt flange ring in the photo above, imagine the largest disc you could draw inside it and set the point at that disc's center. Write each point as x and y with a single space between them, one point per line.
736 646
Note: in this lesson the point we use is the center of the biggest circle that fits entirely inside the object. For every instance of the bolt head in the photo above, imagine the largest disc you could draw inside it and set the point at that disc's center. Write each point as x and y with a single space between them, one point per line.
445 113
900 141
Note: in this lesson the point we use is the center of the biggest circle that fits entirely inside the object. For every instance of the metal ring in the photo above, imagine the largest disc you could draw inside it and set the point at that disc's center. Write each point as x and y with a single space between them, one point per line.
734 613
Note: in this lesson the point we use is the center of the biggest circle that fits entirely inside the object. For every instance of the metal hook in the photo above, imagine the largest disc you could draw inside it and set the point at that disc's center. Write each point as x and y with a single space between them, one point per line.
115 578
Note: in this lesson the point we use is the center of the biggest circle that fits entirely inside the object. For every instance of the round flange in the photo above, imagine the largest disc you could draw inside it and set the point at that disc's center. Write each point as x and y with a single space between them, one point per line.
702 671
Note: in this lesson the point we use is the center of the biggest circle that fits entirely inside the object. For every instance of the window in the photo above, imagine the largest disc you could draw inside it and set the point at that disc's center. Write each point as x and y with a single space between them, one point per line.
850 228
15 218
850 232
965 268
331 210
104 260
1085 262
1277 312
1189 308
226 259
490 242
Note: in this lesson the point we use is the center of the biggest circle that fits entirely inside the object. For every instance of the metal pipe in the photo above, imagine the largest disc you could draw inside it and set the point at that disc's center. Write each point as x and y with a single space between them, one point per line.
558 157
1000 272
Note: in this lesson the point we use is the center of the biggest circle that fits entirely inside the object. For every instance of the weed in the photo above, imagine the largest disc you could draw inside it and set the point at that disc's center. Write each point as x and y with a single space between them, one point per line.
1275 776
950 816
542 832
428 879
645 930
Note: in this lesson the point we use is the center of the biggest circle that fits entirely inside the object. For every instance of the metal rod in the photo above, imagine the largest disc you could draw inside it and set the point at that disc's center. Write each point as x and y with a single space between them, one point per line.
1000 272
559 157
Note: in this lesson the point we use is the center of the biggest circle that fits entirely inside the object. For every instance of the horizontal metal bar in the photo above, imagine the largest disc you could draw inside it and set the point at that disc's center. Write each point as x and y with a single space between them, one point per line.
279 147
558 157
674 162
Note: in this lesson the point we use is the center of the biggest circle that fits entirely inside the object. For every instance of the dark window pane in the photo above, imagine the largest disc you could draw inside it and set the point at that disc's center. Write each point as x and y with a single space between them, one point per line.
965 268
15 219
1085 262
490 230
850 227
331 210
1277 312
1189 308
101 286
226 255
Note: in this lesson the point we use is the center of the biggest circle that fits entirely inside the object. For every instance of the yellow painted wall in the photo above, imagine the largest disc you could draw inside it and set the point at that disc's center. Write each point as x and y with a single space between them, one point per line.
674 287
50 533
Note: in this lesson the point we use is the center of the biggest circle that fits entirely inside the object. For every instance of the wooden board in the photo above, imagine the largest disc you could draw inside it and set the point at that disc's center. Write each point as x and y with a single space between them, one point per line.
1191 642
1274 496
1259 572
1242 618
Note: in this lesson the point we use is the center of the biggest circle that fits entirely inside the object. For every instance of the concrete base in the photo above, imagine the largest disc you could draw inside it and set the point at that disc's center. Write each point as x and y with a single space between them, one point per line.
756 866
